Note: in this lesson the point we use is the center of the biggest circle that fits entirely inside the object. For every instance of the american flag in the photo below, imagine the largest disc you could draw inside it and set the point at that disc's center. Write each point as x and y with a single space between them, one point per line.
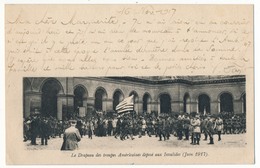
126 105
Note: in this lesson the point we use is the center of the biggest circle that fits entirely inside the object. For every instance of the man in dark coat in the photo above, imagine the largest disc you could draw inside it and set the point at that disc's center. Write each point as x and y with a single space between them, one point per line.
71 137
34 129
44 131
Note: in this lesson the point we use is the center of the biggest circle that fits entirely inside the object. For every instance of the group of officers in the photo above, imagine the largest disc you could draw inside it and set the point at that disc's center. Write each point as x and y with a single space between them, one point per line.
183 126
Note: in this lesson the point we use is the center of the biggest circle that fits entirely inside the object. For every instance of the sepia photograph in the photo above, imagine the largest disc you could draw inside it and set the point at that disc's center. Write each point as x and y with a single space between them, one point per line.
79 113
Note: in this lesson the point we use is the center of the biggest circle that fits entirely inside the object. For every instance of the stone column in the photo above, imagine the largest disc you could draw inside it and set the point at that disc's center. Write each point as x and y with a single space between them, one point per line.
59 107
181 106
32 101
149 107
214 107
90 104
104 105
136 105
26 104
175 105
159 107
65 103
109 104
188 107
194 107
154 106
85 104
139 106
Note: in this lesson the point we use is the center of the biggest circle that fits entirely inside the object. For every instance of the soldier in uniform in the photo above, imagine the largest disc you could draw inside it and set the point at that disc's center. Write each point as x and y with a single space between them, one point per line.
179 127
130 127
139 126
105 126
167 128
210 129
204 123
114 121
123 128
156 127
109 127
161 128
143 126
118 127
219 127
149 127
196 130
192 120
186 126
243 124
90 128
224 125
153 120
233 125
229 126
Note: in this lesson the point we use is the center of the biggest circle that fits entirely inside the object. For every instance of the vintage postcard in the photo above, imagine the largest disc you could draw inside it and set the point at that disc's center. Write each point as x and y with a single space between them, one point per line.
129 84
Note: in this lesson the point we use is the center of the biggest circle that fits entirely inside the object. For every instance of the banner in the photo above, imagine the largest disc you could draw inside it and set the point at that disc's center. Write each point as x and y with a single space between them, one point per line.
126 105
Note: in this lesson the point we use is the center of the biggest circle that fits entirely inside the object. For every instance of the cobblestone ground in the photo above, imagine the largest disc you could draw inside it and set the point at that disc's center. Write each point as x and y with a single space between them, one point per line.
235 140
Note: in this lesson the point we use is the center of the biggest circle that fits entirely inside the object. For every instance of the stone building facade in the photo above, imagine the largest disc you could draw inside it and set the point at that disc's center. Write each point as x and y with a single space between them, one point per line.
61 95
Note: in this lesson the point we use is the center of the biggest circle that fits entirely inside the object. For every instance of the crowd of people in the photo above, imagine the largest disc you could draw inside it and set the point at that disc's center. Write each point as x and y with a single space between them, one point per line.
183 126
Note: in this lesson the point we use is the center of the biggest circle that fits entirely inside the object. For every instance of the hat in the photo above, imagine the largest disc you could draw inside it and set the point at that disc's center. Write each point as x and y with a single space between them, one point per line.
73 121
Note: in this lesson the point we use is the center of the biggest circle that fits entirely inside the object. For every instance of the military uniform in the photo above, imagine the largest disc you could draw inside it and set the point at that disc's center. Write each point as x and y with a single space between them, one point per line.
124 129
204 123
139 127
167 128
149 127
179 128
186 127
196 130
210 130
229 126
244 124
219 127
161 129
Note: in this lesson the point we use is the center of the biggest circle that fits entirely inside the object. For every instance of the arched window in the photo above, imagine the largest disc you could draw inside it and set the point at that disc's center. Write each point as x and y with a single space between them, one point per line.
186 103
79 93
50 90
226 102
165 103
117 98
204 103
146 103
100 95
